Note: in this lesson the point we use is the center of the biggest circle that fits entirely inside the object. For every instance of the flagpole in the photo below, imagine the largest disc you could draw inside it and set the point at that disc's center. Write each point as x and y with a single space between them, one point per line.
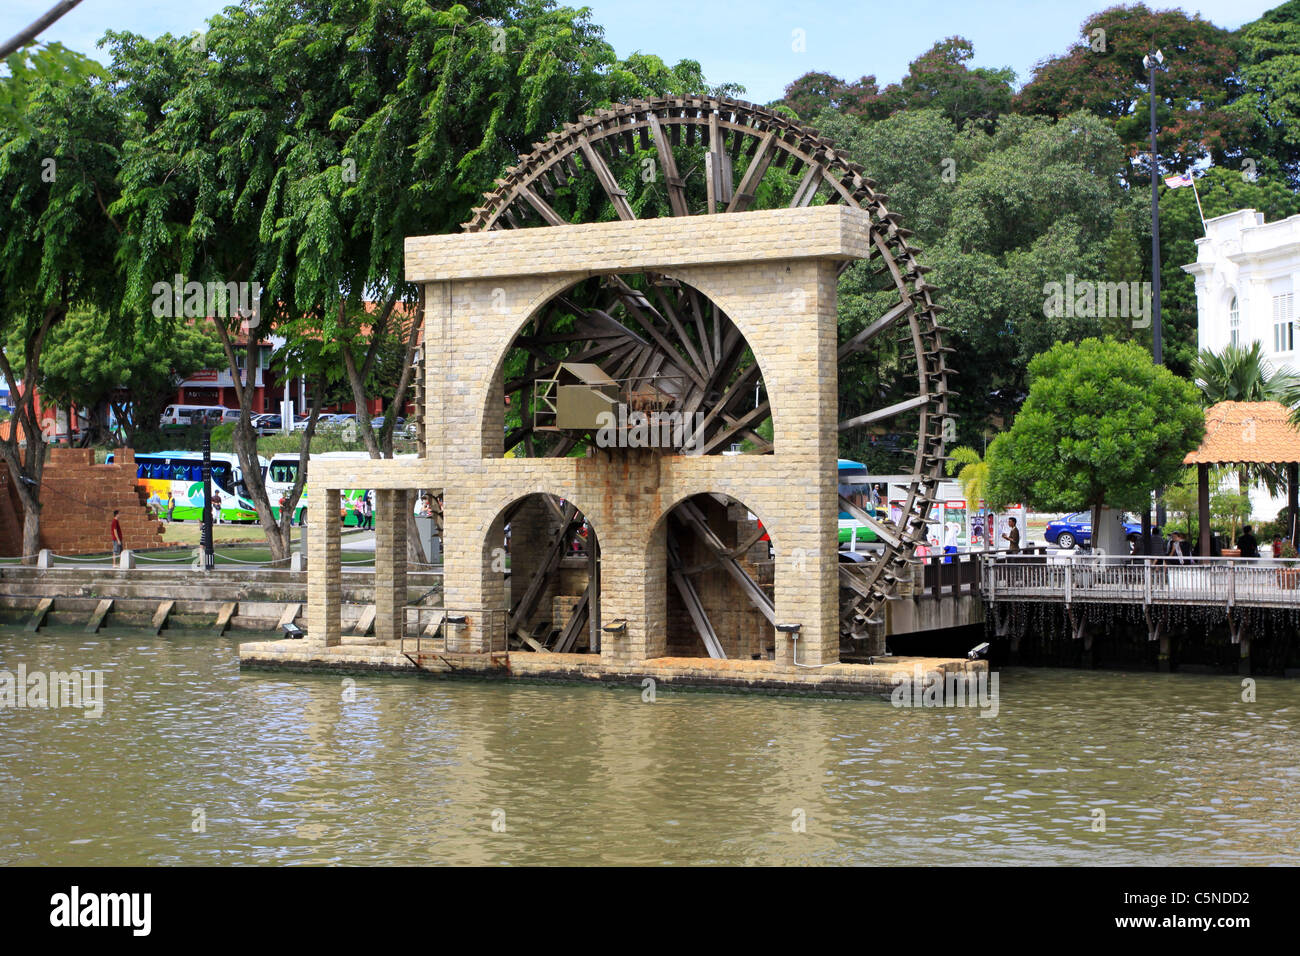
1204 231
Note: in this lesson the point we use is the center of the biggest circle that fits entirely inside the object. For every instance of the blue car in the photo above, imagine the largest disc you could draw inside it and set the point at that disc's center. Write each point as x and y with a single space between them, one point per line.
1077 529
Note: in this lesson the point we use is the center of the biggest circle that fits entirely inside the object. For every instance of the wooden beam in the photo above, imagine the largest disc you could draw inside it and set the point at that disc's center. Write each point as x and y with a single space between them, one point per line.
885 533
676 188
881 414
863 338
573 627
694 606
543 208
160 616
607 181
38 616
695 519
753 175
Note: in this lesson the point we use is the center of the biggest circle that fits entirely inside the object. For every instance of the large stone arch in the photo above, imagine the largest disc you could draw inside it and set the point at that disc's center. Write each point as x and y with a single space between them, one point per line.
488 396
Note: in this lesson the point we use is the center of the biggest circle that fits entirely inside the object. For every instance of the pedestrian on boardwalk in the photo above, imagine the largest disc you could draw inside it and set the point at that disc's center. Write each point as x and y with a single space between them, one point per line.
1012 537
1247 543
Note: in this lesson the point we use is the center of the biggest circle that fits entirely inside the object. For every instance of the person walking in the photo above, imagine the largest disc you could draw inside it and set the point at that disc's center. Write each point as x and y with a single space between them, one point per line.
216 506
171 507
115 532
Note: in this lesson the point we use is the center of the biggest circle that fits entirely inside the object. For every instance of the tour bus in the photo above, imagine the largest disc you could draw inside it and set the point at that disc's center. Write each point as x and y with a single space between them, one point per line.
282 472
852 479
182 416
181 474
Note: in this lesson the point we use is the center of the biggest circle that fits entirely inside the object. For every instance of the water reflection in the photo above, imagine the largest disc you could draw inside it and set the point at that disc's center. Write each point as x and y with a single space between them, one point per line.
317 769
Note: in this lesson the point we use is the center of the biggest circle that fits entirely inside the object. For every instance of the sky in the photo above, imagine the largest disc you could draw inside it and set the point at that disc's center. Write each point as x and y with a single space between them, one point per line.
751 42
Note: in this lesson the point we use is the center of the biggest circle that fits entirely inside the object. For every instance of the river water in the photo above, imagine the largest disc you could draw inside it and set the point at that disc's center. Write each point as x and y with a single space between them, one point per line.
193 762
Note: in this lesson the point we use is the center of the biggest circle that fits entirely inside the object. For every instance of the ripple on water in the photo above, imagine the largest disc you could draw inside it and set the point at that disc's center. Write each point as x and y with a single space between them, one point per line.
284 770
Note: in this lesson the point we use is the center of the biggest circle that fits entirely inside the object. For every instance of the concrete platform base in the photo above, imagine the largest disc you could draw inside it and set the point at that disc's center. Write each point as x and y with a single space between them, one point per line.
359 654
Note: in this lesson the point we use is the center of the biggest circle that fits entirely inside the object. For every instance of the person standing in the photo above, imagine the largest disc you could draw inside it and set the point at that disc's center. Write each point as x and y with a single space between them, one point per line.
1248 544
171 507
1012 536
115 532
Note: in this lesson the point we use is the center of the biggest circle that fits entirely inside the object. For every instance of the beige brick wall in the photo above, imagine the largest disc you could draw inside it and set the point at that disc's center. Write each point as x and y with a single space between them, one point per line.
773 273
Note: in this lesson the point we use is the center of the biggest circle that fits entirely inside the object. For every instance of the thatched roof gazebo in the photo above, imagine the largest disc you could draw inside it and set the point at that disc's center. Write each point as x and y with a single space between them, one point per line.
1245 433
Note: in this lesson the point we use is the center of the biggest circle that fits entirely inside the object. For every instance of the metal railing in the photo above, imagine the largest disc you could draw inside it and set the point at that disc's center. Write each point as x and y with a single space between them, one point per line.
434 625
1132 579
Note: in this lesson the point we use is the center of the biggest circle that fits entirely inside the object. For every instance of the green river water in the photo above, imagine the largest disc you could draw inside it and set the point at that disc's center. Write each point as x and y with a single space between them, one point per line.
193 762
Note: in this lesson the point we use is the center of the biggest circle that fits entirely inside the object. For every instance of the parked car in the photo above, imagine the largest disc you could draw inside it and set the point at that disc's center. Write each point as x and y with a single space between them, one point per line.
331 422
378 422
1077 529
267 424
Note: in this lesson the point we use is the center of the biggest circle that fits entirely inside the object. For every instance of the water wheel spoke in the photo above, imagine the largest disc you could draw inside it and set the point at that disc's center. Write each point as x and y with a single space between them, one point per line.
753 175
883 530
863 338
676 188
616 193
543 208
881 414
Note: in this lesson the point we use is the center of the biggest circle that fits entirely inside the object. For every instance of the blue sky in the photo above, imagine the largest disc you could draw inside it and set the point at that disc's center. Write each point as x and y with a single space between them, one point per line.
741 41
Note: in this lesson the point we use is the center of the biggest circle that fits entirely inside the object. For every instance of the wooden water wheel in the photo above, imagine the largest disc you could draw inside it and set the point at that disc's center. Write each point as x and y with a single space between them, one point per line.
684 156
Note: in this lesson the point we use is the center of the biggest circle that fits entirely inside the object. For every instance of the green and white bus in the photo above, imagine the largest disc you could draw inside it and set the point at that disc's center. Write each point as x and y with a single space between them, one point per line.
282 472
180 474
852 478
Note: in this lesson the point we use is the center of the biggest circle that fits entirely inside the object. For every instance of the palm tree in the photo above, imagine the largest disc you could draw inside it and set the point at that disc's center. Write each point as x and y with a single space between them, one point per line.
972 475
1242 374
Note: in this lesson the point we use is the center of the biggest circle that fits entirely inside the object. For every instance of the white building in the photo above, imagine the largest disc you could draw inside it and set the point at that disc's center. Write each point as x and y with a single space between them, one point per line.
1246 273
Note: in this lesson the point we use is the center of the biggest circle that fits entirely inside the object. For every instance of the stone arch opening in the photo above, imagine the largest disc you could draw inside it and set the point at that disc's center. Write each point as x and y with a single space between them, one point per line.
719 578
630 360
544 555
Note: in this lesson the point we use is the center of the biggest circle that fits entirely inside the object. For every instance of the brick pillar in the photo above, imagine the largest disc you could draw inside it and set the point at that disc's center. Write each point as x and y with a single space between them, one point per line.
324 572
807 564
473 577
633 586
390 564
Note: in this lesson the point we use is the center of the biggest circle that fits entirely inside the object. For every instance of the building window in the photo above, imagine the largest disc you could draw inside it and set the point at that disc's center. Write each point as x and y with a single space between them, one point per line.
1234 323
1283 323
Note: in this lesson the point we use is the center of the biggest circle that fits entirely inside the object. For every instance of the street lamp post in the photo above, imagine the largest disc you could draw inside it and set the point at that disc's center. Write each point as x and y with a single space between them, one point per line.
1154 61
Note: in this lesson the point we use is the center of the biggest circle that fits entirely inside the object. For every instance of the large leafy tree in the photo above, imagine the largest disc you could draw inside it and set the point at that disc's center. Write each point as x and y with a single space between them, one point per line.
939 79
1000 215
58 172
1103 73
1270 76
1102 425
131 372
302 141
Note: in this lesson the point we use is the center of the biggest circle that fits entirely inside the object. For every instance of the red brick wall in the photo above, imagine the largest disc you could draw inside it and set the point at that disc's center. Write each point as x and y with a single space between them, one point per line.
78 498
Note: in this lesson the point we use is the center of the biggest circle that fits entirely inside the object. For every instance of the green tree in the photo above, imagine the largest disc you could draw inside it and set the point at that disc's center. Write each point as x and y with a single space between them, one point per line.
58 170
1102 425
1270 75
940 79
972 473
132 372
1103 73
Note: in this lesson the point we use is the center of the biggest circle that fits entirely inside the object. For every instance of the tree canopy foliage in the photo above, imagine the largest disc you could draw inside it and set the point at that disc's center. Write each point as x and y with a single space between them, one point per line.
1102 425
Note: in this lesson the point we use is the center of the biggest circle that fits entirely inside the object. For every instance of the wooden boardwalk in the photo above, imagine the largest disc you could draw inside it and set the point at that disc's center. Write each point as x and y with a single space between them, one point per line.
1084 578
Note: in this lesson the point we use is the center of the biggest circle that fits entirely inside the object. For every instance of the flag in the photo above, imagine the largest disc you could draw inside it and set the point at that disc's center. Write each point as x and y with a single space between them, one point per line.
1174 182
